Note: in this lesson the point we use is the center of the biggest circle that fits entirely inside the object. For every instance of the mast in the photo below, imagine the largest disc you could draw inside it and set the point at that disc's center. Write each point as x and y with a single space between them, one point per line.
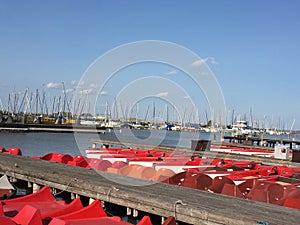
206 117
23 101
53 105
146 115
8 103
36 101
251 117
137 112
15 103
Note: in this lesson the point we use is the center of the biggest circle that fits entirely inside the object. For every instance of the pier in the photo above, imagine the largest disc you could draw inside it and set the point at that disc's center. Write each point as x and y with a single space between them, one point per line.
4 127
188 205
206 153
260 141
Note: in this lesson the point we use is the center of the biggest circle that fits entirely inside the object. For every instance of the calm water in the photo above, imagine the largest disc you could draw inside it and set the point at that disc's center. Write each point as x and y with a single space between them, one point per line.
42 143
73 144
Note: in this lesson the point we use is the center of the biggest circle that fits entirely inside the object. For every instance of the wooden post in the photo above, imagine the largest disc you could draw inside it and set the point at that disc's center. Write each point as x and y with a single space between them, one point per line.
35 187
73 196
91 200
135 212
13 180
54 191
128 211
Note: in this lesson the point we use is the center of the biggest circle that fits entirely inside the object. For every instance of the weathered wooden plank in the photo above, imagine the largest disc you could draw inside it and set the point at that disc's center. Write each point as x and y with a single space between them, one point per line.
198 207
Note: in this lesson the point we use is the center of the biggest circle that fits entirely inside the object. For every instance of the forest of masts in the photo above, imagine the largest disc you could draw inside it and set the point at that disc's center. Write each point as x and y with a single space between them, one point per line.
40 104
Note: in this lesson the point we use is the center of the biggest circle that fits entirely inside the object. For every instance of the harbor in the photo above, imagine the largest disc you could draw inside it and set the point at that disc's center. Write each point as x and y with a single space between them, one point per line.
149 113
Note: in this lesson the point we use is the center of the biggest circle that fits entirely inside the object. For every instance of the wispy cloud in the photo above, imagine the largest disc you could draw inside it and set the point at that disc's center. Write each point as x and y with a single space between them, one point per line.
162 94
53 85
103 93
87 91
69 90
172 72
200 62
213 60
93 85
186 97
77 83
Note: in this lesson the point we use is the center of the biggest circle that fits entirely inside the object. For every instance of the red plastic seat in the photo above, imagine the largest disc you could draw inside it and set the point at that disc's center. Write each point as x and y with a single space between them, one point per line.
28 216
6 221
292 202
44 194
75 205
232 190
91 221
94 210
118 164
79 160
42 200
219 182
13 151
145 221
170 221
99 164
56 157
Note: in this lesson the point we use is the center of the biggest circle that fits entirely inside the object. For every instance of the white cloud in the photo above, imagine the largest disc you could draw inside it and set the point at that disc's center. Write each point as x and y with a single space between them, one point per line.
173 72
87 91
77 83
200 62
162 94
212 60
69 90
54 85
93 85
103 93
186 97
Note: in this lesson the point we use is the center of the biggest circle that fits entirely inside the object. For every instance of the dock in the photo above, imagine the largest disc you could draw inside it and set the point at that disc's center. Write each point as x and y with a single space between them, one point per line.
207 153
260 141
4 127
188 205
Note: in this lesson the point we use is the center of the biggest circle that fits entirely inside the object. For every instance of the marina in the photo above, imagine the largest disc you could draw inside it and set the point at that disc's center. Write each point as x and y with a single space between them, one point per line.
149 113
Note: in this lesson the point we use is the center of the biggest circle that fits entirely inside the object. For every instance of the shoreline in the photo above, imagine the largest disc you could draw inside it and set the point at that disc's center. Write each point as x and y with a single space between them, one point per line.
18 128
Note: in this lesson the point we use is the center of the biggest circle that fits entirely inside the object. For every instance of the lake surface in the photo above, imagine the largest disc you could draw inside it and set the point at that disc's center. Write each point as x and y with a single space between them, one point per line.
44 142
73 144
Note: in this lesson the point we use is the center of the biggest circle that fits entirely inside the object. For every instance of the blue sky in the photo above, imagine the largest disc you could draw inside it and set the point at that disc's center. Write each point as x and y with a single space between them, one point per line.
252 47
